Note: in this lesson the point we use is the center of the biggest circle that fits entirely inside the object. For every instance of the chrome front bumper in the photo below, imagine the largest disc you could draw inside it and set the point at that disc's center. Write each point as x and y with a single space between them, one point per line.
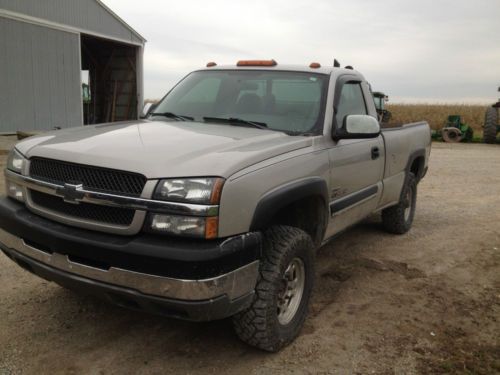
234 284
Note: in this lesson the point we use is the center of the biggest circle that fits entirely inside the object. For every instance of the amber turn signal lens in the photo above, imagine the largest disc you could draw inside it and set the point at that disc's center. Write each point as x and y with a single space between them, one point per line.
257 63
210 64
211 227
315 65
217 191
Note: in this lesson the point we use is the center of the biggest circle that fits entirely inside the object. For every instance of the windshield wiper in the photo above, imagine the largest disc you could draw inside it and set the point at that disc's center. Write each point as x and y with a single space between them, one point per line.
237 121
172 115
298 132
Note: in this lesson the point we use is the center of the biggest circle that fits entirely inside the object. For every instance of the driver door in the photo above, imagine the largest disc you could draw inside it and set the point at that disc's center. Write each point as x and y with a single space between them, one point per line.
356 165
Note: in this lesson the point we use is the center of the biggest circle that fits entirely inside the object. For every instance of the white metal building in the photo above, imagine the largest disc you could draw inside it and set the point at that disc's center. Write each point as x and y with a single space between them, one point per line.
48 46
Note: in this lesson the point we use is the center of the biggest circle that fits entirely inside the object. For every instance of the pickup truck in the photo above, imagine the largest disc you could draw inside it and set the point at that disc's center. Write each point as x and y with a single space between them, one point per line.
214 204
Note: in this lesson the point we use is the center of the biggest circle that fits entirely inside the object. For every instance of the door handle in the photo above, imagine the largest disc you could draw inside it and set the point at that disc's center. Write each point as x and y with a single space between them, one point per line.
375 153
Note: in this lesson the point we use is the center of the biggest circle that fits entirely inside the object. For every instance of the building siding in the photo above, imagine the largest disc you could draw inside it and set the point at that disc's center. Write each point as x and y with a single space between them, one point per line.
40 77
83 14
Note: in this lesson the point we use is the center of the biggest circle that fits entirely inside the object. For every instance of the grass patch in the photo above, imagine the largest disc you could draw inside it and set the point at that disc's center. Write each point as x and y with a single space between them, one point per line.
456 354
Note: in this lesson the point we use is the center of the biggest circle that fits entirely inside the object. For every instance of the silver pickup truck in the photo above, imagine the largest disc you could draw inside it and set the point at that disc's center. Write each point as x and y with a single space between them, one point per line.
214 204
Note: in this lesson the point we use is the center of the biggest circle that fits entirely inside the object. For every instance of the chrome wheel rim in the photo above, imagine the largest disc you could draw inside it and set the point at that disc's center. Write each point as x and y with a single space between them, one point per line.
408 204
292 290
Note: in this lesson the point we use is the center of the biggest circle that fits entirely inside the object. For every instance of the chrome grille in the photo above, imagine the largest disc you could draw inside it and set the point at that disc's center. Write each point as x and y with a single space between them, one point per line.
93 178
84 211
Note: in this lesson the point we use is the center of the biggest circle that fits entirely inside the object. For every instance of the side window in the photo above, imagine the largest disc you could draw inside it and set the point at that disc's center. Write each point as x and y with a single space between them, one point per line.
351 102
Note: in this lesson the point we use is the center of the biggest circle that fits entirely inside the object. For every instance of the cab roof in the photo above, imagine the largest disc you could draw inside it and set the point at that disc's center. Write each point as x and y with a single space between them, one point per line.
284 67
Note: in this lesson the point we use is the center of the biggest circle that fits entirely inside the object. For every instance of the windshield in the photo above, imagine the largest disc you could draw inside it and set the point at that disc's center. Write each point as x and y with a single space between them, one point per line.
292 102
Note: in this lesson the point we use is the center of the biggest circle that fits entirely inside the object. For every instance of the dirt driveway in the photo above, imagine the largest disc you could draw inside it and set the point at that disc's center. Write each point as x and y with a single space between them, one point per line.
425 302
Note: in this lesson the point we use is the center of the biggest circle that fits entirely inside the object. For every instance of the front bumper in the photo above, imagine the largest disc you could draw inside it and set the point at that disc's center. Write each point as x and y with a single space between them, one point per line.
208 282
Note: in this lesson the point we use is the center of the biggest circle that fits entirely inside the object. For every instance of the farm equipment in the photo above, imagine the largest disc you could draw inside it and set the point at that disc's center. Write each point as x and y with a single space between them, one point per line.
380 99
456 131
491 126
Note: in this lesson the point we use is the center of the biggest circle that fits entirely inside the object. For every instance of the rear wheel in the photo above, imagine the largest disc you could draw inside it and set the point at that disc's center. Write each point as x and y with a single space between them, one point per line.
399 218
283 290
490 125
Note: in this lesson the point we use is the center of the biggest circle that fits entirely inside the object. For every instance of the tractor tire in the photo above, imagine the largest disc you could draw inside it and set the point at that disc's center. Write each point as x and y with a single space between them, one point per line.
386 116
282 293
399 218
451 135
490 125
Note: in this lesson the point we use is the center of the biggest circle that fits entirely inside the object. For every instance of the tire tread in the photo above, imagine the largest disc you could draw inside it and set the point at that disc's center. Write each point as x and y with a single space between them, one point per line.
257 325
490 125
393 217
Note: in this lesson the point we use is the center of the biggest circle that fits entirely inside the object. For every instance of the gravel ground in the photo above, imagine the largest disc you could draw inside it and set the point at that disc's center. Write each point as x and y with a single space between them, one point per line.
421 303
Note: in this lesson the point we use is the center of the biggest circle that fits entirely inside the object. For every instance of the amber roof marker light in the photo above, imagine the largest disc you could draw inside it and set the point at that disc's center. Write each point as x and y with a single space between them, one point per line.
315 65
210 64
257 63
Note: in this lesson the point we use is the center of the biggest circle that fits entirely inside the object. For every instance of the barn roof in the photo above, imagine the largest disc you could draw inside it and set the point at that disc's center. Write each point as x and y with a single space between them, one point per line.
91 17
121 20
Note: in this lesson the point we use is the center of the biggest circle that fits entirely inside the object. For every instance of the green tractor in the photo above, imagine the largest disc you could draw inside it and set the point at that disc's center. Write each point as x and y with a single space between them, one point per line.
456 131
380 99
491 126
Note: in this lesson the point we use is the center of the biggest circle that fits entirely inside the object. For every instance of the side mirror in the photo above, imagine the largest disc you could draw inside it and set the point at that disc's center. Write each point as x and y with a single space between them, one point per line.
358 126
148 107
362 125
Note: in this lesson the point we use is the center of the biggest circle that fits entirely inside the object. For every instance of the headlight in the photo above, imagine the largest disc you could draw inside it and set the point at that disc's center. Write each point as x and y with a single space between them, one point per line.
191 226
15 161
190 190
202 190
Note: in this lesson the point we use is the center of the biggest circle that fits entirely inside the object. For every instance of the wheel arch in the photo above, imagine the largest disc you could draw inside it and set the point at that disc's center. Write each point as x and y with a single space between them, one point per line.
295 204
416 164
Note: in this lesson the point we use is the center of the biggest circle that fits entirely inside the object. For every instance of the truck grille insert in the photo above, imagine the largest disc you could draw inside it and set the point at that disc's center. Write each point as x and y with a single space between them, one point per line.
93 178
85 211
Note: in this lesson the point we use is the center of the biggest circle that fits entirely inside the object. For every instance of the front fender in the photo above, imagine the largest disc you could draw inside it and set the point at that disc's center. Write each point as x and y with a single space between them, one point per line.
252 194
277 199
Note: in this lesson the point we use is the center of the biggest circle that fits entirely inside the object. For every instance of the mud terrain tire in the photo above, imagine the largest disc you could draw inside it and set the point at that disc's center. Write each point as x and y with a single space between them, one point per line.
263 324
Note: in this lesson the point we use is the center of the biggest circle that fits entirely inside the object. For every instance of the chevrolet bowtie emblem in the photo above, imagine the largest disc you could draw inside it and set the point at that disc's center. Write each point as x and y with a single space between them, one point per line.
71 193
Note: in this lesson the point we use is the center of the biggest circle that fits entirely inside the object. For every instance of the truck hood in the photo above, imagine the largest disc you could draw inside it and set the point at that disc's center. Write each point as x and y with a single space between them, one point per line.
159 149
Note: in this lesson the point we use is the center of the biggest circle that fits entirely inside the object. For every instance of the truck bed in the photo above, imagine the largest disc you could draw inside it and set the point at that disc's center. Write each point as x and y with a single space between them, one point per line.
403 141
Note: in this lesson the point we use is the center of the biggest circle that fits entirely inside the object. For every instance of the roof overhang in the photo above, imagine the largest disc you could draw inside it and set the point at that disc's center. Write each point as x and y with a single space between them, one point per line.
121 20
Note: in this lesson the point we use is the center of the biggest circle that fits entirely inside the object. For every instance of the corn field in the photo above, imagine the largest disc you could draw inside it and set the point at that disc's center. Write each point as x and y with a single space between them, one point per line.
436 114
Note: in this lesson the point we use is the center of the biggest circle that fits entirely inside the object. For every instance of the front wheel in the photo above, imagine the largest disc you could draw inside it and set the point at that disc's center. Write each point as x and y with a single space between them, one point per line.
283 290
399 218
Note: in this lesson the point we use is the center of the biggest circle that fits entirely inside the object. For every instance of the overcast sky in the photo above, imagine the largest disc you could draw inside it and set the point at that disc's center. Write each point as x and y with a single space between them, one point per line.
425 50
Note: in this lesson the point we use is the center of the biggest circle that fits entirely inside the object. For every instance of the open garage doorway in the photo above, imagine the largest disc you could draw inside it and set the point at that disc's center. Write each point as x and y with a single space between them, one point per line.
109 80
